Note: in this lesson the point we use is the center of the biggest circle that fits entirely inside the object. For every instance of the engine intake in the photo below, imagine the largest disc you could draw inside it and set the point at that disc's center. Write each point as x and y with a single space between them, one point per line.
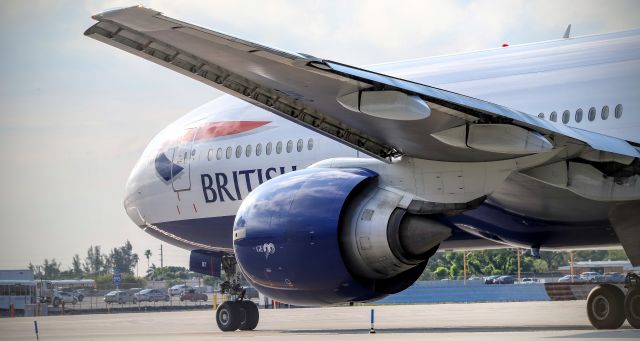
325 236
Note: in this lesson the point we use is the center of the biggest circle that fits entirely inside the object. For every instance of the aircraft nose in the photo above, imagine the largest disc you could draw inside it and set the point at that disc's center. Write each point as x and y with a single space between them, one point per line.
132 199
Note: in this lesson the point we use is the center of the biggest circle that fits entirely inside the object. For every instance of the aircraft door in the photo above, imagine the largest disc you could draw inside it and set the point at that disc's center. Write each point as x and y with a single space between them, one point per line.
181 162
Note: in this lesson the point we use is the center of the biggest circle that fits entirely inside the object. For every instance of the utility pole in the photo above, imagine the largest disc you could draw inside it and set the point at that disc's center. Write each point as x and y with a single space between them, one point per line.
464 266
161 257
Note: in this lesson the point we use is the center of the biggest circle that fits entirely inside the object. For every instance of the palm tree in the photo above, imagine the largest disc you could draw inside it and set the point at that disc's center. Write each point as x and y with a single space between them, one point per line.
135 259
147 254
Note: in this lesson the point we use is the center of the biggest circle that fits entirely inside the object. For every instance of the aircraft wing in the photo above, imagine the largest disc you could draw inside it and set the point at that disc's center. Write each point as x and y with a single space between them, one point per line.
380 115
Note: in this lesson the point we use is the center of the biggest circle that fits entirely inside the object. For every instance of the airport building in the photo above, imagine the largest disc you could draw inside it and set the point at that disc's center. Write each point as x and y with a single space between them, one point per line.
17 288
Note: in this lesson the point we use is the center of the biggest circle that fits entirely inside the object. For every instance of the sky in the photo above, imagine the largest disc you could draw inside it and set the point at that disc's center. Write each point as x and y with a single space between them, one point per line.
75 114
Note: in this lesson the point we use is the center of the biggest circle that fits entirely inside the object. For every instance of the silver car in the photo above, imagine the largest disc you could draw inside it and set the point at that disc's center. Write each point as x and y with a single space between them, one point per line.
151 295
120 296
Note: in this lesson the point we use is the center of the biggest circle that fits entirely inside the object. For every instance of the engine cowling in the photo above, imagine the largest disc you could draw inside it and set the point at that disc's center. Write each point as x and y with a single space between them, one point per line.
325 236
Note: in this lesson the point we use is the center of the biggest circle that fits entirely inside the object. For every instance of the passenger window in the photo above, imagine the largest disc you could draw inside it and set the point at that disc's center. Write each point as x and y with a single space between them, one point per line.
229 151
605 112
618 113
210 154
219 154
300 145
565 116
592 114
238 152
248 150
289 146
269 148
554 116
541 115
310 144
258 149
578 115
279 147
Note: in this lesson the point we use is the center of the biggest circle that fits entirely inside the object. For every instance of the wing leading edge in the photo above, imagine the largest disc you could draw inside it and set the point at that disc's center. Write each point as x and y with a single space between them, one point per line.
346 103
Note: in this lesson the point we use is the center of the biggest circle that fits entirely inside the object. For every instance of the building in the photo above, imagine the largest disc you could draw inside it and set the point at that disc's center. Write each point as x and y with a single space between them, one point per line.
603 266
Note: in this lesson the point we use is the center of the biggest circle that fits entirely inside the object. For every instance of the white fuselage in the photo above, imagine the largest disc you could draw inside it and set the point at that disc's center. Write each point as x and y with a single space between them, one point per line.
571 75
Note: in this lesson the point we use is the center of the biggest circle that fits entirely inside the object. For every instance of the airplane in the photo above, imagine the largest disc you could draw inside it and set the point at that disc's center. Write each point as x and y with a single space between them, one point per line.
323 183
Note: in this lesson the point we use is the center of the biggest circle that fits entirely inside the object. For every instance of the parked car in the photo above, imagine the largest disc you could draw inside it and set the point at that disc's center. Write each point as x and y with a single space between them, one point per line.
589 276
571 279
504 280
529 280
490 279
86 292
120 296
474 278
193 296
74 292
63 296
151 295
133 291
179 289
614 277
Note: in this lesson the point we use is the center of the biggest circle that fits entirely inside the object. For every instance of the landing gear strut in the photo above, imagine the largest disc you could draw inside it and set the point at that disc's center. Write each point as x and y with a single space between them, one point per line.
237 313
608 306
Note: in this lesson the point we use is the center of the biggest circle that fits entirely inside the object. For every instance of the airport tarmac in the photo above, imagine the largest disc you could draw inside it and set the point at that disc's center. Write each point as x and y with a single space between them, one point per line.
476 321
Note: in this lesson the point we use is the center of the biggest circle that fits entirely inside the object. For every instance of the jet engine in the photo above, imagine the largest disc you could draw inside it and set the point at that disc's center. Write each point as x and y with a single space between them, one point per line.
325 236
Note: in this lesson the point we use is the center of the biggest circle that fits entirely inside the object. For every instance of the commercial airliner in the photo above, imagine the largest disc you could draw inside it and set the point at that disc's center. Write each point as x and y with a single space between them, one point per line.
323 183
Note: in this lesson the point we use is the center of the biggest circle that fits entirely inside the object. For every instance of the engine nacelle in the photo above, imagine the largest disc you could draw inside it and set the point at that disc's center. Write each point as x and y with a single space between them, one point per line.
325 236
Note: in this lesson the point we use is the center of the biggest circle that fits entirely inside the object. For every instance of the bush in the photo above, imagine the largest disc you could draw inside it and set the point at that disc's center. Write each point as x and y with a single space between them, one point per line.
127 281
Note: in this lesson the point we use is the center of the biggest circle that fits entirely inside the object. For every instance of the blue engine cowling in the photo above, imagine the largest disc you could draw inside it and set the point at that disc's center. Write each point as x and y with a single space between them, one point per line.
287 239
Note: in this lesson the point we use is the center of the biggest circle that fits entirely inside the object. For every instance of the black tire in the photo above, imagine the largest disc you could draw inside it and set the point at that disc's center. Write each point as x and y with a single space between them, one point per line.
80 298
56 302
251 315
135 300
120 301
229 316
632 307
605 307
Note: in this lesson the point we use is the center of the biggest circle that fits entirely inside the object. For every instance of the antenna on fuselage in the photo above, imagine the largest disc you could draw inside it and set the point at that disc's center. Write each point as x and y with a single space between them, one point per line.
567 32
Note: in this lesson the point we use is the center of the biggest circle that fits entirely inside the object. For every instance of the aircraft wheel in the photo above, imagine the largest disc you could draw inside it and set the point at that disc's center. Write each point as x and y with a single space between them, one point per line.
632 307
251 315
229 316
605 307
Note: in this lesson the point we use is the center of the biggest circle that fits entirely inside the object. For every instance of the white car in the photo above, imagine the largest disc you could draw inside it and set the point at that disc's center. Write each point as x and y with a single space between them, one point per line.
179 289
589 276
62 296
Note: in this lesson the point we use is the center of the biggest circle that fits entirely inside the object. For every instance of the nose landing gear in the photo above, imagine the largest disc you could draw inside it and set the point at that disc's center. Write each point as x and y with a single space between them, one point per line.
608 306
238 313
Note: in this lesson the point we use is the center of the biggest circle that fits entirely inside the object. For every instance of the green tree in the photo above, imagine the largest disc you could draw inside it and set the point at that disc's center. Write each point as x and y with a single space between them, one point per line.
147 254
95 262
76 265
122 258
441 272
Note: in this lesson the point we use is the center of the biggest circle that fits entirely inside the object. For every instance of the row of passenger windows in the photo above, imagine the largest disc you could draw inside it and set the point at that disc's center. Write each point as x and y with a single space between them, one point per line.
566 115
268 149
